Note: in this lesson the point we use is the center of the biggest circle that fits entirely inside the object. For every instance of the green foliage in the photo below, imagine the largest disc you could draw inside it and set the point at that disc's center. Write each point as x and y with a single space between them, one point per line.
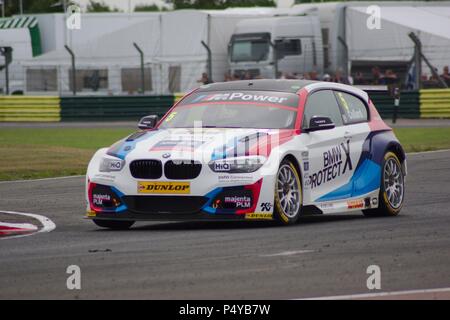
148 8
99 6
36 6
220 4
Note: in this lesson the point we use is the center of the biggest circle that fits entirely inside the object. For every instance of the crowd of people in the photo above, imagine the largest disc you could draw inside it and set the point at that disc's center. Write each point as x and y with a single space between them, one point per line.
376 77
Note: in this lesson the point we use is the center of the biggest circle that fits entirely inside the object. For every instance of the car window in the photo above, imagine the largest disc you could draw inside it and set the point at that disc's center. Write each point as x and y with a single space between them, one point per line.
243 109
322 103
353 109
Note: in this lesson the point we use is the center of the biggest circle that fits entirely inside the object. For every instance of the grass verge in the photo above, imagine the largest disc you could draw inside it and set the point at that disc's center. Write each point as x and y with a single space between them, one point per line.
27 153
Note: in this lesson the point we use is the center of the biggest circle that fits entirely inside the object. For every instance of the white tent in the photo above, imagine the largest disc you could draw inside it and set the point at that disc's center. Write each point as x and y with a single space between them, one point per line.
171 42
391 41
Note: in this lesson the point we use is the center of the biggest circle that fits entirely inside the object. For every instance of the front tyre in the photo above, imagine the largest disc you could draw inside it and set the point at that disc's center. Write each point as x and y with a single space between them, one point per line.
288 193
392 189
114 224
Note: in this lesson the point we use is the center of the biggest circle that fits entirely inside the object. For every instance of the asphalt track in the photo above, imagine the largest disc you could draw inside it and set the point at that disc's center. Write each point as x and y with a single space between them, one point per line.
321 256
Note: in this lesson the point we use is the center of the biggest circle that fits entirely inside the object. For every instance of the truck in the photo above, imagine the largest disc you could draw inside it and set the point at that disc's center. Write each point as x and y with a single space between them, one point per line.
277 46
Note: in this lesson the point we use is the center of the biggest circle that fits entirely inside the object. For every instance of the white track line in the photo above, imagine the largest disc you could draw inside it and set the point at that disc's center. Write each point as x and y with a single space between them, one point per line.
42 179
425 152
379 294
47 224
286 253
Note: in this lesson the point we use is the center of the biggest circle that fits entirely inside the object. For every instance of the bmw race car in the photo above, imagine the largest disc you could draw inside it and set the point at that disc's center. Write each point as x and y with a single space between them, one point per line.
251 150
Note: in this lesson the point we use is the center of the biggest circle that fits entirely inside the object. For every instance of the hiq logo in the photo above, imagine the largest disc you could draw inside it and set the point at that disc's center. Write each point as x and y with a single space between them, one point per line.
221 166
73 20
374 20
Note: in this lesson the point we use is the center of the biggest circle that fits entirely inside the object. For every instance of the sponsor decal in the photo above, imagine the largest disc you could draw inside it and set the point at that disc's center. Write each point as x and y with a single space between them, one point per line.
221 167
266 206
164 187
234 178
256 97
374 201
98 199
115 165
259 216
241 96
326 205
90 213
171 116
336 162
234 199
355 204
306 165
238 202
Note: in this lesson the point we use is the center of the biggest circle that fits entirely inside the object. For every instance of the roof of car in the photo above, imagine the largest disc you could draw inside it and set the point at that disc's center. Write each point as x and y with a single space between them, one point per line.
280 85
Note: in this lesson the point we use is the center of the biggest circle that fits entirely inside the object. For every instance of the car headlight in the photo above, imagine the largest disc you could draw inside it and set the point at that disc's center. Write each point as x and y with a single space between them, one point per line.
237 164
109 165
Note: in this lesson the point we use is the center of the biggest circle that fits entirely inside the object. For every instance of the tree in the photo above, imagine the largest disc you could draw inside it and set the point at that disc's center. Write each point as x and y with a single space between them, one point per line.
151 8
41 6
99 6
220 4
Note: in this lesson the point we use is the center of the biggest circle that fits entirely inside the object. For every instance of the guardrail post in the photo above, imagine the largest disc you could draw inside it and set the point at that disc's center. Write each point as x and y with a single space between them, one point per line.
141 53
209 60
396 104
74 79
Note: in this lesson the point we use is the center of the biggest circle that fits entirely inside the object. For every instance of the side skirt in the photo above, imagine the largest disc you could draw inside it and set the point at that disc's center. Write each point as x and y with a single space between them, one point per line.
367 201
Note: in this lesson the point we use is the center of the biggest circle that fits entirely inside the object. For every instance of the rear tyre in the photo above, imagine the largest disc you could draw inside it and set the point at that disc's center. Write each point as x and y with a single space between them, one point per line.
392 189
288 193
113 224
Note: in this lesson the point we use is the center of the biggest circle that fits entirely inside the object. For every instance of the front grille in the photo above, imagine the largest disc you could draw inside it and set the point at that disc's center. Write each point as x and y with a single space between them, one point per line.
146 169
182 170
164 204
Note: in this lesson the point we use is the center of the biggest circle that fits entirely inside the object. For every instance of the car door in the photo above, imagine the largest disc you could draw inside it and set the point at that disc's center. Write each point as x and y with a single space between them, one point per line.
329 168
355 116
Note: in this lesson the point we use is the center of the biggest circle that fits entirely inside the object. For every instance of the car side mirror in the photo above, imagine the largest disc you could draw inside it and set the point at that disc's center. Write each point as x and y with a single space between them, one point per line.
148 122
320 123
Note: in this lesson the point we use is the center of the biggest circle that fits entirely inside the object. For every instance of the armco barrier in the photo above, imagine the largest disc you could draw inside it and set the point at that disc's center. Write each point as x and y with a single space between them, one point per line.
106 108
29 108
409 107
110 108
435 103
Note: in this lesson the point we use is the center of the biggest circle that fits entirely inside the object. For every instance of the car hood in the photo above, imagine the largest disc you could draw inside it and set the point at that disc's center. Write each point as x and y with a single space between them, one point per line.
202 144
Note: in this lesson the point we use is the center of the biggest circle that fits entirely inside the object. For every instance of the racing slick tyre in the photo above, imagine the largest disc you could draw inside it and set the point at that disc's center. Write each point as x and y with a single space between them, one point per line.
113 224
392 190
288 193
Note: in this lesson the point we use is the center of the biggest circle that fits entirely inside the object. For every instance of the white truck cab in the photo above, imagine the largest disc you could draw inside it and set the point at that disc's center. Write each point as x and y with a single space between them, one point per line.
270 47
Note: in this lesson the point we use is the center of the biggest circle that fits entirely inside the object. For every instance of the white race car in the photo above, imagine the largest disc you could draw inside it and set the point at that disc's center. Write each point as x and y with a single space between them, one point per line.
251 150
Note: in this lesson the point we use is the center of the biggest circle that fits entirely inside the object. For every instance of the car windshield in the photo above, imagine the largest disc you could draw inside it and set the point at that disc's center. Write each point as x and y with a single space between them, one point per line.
249 49
263 110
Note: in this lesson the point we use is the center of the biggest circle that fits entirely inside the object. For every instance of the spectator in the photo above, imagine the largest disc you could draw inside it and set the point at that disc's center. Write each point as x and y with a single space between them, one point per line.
227 76
359 79
326 77
339 78
376 75
204 79
313 75
446 76
388 78
424 77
